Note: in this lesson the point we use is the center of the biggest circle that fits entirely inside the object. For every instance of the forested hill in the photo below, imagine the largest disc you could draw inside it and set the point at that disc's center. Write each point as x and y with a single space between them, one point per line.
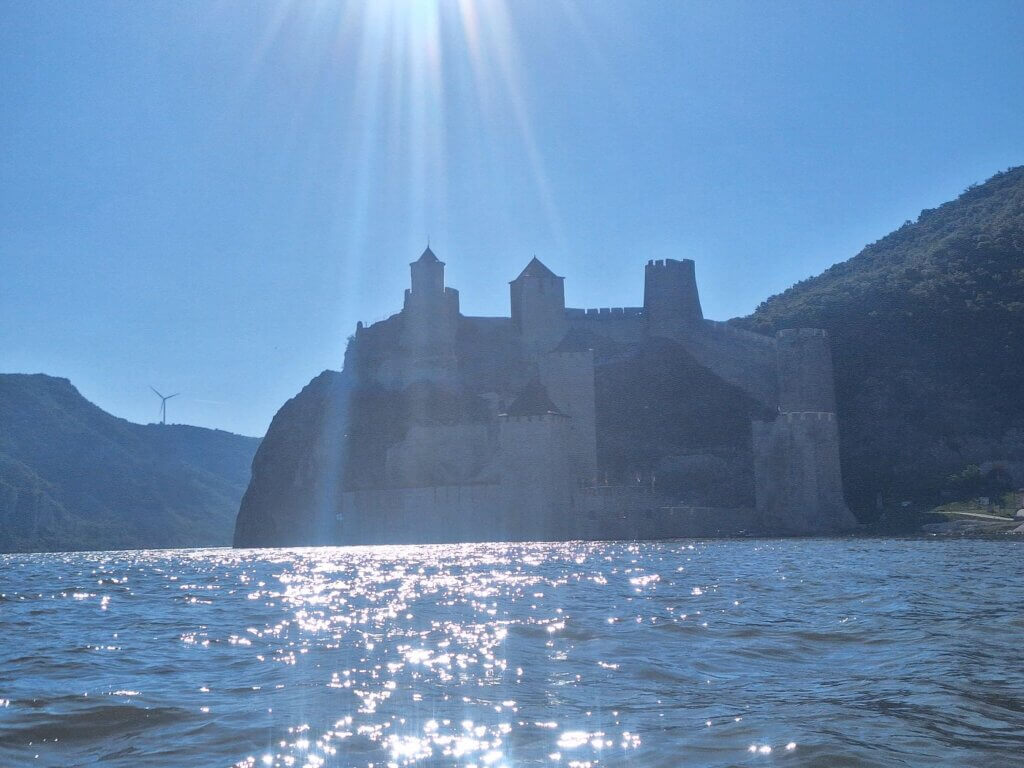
72 476
928 340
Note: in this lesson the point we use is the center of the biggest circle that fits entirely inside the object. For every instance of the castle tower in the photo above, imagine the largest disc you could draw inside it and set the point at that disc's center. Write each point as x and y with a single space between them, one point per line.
671 300
567 373
538 307
429 321
427 275
536 476
798 481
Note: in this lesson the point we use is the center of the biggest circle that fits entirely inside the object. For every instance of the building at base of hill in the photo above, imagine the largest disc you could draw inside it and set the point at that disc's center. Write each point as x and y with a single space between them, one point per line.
493 421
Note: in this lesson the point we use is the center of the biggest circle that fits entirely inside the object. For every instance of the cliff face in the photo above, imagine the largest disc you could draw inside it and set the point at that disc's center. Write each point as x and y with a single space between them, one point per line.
297 473
927 329
75 477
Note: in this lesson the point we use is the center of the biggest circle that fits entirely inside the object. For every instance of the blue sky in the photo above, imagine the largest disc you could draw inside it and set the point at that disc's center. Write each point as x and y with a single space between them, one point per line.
206 196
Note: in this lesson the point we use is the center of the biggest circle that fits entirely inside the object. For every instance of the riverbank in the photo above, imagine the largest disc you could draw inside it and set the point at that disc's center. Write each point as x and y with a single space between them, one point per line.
967 523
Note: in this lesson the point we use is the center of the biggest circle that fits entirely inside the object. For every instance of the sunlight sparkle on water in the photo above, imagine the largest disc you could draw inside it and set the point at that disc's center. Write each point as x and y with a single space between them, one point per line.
494 654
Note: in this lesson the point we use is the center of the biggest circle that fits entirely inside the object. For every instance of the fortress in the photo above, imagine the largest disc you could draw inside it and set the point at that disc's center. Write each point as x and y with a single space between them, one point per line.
486 428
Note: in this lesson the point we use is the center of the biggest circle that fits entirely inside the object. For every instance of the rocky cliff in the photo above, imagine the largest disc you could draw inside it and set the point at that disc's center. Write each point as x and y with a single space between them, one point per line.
298 471
75 477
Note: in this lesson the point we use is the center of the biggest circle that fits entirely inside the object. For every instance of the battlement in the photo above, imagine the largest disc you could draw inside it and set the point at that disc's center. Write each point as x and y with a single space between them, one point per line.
605 313
671 263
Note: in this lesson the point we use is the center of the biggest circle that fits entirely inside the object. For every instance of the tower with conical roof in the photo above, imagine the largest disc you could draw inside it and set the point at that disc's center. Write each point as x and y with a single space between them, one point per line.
429 321
427 275
538 307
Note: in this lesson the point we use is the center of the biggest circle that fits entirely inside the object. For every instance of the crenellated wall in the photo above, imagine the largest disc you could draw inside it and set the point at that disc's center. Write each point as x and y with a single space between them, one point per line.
626 325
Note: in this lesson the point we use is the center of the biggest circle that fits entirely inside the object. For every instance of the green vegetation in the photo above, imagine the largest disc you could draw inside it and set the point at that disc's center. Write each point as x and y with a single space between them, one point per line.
74 477
927 329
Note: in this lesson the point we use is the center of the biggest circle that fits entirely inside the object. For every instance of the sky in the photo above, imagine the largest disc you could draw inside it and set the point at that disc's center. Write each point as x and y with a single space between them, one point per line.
205 197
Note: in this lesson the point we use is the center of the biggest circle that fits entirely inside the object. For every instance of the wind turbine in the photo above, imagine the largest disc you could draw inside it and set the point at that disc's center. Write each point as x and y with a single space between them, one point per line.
163 404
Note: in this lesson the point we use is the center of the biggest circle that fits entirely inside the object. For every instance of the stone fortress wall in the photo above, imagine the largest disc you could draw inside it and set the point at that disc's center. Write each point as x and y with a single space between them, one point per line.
537 469
569 379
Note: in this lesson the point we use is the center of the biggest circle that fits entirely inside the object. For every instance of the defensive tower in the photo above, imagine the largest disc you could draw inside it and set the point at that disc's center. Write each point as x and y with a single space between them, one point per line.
538 307
536 466
798 482
797 476
429 320
671 300
427 275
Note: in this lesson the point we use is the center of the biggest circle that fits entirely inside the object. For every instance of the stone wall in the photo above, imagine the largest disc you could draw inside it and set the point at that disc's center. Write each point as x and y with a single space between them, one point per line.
806 381
441 455
626 325
635 512
798 481
536 476
569 380
746 360
428 515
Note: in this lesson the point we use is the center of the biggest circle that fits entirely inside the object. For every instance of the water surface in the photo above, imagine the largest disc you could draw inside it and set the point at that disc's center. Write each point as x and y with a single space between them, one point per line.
719 653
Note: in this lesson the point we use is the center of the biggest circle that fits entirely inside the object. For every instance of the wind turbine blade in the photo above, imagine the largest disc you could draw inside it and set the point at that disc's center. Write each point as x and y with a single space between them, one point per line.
154 389
174 395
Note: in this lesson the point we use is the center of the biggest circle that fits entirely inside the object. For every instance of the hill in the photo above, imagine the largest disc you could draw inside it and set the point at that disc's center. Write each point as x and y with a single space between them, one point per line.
73 476
928 344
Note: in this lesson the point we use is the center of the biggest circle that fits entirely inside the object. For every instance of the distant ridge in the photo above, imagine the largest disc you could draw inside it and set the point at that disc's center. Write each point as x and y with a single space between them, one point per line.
928 343
73 476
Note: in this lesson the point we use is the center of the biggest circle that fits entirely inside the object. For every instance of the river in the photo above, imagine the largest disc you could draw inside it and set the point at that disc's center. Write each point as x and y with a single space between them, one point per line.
837 652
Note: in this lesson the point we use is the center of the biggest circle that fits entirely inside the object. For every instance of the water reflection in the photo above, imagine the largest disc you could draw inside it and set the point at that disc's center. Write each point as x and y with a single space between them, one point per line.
576 654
